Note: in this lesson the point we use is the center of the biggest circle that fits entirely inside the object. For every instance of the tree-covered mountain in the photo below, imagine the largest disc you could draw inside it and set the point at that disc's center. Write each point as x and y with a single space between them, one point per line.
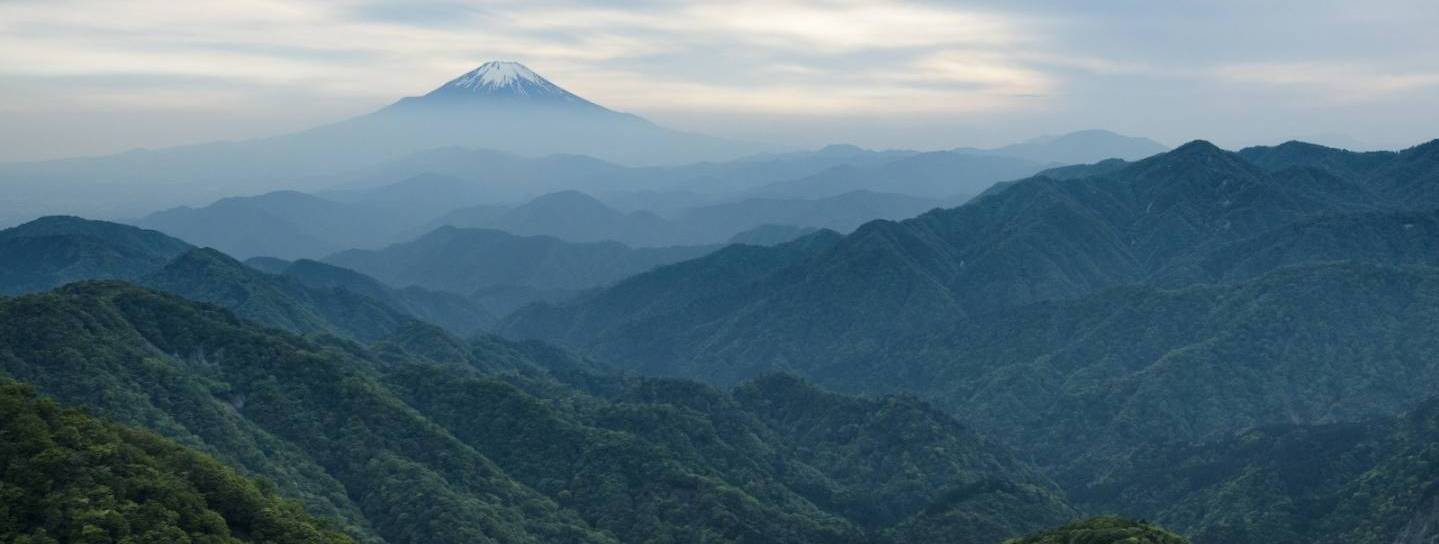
52 251
66 476
1173 300
502 451
303 297
1370 481
207 275
1036 240
491 265
1103 530
457 314
1178 217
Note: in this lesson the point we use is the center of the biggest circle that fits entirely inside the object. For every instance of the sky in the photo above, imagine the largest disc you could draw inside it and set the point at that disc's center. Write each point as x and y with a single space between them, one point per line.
86 77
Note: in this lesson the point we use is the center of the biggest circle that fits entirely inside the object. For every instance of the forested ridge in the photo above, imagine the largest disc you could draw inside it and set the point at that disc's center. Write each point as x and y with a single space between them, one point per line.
1238 346
502 448
66 477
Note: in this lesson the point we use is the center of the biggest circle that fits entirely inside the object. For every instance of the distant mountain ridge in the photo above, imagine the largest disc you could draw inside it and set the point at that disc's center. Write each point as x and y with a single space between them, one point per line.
304 297
1142 299
525 115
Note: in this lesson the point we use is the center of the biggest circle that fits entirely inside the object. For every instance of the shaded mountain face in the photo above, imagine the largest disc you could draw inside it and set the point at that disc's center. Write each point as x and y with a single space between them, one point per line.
504 451
1367 482
302 297
1036 240
209 276
505 270
125 484
457 314
1063 315
51 251
1103 530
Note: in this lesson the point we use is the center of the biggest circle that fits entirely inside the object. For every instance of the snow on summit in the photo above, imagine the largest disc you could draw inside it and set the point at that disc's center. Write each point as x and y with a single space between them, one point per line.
496 74
507 81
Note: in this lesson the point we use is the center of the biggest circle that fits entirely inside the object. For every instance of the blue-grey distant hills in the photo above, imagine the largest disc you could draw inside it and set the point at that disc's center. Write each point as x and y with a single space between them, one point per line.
1082 147
500 105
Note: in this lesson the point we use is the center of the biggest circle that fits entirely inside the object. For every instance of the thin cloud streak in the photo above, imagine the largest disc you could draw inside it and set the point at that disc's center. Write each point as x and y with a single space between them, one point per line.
995 67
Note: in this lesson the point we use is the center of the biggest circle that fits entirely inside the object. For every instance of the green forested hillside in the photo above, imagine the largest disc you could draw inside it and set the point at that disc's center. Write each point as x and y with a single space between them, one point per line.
1086 320
455 313
1367 482
1103 530
207 275
66 476
51 251
430 440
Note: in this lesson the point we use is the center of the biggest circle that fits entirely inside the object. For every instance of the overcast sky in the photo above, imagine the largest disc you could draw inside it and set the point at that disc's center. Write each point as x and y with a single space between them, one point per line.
92 76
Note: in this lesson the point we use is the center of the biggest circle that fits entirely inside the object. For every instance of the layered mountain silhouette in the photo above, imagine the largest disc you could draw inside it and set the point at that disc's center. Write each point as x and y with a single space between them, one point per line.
53 251
501 106
1149 299
1081 147
303 297
503 270
488 436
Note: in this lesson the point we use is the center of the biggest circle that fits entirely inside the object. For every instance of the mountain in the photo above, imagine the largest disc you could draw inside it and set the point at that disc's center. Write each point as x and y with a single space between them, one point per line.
303 297
71 477
502 106
209 276
51 251
938 174
568 215
843 213
1036 240
577 217
1082 147
457 314
1360 482
771 235
469 261
1177 299
501 448
479 189
1103 530
283 224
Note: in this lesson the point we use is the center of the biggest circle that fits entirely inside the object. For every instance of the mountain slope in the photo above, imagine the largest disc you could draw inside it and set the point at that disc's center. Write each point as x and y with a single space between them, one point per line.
1103 530
70 477
1361 482
505 455
1037 240
52 251
468 261
454 313
209 276
1034 312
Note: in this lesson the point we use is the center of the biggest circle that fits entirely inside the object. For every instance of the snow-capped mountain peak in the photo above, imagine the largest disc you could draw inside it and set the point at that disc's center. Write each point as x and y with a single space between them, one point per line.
497 74
507 81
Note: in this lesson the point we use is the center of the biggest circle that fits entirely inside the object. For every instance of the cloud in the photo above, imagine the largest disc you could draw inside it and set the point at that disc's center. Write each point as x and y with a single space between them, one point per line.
993 66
